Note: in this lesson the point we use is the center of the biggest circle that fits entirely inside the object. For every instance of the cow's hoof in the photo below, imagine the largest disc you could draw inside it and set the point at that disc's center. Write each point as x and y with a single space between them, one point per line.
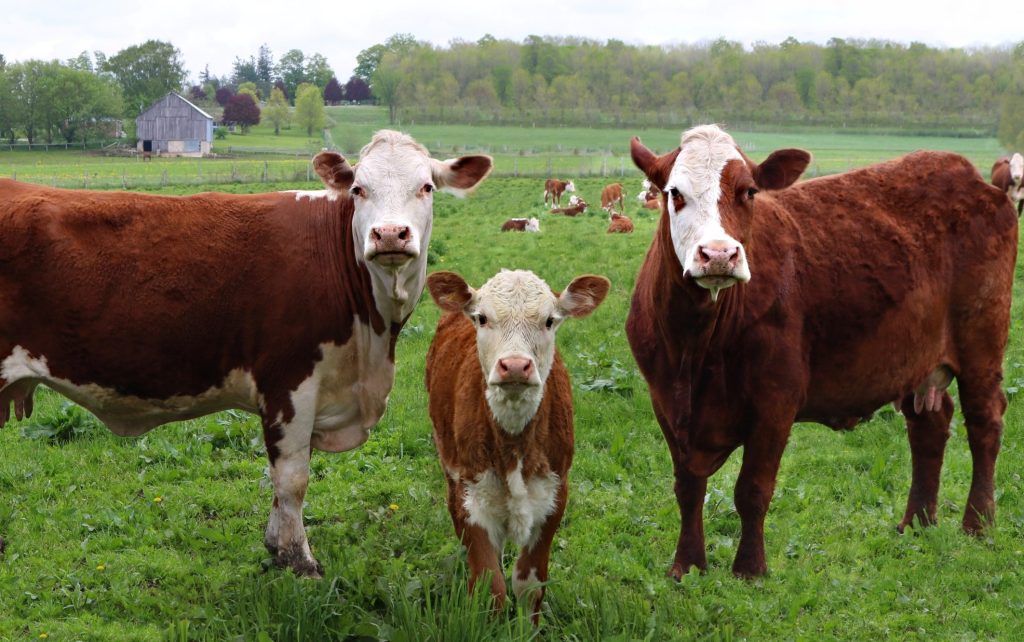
301 564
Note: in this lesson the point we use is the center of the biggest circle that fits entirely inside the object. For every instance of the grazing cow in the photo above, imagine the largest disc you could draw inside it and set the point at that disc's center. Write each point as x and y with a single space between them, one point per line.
554 188
576 206
620 223
610 195
148 309
521 225
501 405
819 302
1007 175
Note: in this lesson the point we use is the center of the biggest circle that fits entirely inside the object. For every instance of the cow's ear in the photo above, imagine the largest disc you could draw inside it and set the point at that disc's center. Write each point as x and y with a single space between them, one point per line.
583 295
450 291
334 171
655 168
782 168
459 176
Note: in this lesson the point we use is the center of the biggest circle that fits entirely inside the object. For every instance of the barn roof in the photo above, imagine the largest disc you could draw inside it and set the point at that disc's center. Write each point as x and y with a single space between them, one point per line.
179 97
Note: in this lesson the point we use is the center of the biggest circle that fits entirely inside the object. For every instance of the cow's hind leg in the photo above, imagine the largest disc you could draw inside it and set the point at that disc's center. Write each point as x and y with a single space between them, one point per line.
983 404
927 431
531 572
288 449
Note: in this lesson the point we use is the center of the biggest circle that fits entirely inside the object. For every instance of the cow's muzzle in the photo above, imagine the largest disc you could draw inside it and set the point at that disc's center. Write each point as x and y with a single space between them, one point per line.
391 245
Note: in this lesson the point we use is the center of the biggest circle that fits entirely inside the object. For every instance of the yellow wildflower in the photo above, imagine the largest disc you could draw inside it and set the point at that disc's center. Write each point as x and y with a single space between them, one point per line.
101 567
158 499
393 507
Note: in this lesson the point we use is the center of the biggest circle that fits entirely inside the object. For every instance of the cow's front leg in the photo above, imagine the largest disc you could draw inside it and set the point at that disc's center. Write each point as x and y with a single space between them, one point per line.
531 572
288 450
762 454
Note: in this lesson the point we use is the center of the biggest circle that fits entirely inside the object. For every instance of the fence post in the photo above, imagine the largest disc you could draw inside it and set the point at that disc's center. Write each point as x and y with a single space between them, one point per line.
307 172
85 179
515 167
124 179
265 171
622 167
163 179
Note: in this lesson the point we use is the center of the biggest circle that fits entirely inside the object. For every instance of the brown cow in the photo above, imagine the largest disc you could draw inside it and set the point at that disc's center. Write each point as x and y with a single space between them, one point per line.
149 309
610 195
1007 175
650 197
501 404
876 285
620 223
576 206
554 188
521 225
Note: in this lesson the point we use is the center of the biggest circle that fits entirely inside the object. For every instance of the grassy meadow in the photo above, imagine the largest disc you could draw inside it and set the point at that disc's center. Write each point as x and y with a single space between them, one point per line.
160 537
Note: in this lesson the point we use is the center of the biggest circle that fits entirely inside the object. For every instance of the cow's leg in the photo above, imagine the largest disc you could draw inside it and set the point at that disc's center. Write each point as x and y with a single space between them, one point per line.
983 404
288 449
928 432
480 554
690 490
531 572
762 454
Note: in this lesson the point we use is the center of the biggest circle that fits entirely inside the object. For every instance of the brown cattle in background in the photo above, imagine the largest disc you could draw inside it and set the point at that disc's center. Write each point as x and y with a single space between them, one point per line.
554 188
610 195
1008 175
576 207
880 284
620 224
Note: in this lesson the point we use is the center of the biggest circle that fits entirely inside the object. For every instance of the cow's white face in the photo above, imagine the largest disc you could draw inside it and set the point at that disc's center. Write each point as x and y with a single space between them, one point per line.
570 187
574 200
1016 168
516 316
392 190
706 251
533 225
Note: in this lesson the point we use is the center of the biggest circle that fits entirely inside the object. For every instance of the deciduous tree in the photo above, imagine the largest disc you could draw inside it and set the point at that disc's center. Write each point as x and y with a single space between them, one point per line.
276 111
146 72
242 110
309 108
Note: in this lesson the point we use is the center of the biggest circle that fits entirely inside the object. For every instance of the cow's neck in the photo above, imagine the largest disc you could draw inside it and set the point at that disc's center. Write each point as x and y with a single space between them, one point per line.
396 292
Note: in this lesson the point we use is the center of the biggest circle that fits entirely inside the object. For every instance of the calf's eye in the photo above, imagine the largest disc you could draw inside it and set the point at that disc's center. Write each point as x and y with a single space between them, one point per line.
550 322
481 319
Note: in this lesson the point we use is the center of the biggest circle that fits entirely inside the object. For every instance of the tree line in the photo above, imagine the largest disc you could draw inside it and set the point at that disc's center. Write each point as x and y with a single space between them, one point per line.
578 81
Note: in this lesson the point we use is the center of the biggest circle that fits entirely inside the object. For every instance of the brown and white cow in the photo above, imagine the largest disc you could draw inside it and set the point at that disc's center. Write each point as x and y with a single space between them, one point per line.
610 195
821 301
620 224
501 405
650 196
1008 175
576 207
521 225
149 309
554 188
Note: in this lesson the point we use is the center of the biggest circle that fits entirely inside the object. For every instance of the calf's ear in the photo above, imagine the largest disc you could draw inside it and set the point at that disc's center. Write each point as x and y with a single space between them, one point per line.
782 168
450 291
655 168
583 295
459 176
334 171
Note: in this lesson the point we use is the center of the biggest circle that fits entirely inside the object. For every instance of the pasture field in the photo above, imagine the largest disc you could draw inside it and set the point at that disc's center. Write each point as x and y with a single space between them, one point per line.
160 537
569 152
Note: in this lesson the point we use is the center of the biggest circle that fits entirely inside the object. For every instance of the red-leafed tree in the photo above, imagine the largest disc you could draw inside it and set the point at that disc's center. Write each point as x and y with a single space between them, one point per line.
333 93
357 90
242 110
196 93
284 90
224 94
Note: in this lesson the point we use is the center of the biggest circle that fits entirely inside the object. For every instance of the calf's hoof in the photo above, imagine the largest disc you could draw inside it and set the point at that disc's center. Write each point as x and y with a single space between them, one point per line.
301 564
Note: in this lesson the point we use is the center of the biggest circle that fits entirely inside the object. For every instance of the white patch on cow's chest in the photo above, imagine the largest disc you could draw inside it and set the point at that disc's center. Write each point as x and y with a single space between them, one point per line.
128 415
511 508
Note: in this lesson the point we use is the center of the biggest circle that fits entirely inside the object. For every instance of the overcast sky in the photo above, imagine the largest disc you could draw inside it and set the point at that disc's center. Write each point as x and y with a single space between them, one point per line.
215 32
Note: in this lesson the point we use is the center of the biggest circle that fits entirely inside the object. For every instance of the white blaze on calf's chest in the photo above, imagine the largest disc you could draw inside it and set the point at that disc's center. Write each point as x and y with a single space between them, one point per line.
511 508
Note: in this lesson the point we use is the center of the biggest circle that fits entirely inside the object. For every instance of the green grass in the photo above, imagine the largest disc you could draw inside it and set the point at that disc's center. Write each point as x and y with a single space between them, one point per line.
191 565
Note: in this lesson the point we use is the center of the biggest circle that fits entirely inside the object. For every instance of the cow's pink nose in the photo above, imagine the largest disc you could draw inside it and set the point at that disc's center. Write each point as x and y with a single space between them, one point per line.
515 369
718 254
390 238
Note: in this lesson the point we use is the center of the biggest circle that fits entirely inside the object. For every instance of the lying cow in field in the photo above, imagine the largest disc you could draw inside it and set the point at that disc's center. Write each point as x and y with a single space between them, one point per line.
150 309
620 223
1007 175
650 197
576 206
610 195
554 188
819 302
501 405
521 225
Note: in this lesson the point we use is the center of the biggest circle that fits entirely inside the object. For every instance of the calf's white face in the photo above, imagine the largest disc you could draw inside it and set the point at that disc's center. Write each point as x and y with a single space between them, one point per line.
516 316
1016 168
570 187
533 225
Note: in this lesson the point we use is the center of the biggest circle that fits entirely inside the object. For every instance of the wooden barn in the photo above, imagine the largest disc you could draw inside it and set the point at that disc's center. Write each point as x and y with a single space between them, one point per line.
174 126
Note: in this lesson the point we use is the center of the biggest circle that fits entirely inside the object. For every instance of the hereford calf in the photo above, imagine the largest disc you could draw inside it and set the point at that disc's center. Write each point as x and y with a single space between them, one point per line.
501 404
650 197
553 188
1007 175
576 206
521 225
610 195
620 223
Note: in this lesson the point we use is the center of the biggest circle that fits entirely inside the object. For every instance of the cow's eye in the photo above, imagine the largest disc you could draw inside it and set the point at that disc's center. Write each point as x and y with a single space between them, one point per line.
678 202
481 319
357 191
750 193
428 188
550 322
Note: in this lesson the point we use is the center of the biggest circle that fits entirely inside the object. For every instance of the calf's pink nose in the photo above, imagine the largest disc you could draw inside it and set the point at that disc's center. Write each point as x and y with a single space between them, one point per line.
515 369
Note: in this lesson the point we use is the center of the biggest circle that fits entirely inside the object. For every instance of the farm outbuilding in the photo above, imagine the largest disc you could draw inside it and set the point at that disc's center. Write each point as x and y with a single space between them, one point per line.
173 125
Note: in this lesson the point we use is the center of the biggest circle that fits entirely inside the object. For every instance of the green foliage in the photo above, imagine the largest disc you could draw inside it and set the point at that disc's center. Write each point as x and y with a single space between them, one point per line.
276 111
309 108
70 422
146 72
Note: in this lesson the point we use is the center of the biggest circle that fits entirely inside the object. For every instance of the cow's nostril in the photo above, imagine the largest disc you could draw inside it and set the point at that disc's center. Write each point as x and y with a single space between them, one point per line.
404 234
375 234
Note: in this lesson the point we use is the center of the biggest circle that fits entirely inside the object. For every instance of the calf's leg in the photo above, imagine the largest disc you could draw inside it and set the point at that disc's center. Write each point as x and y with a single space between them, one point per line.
481 557
531 572
927 432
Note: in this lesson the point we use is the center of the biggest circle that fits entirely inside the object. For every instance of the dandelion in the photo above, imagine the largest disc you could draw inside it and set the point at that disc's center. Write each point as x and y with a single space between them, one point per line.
101 567
393 507
44 635
158 499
